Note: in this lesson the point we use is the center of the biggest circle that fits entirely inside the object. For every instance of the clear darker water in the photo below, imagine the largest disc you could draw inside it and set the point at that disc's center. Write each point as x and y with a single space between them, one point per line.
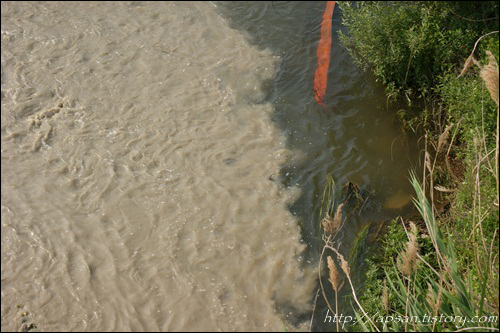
358 138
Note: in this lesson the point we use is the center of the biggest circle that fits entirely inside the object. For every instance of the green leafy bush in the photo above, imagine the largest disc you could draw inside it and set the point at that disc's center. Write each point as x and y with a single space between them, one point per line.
409 44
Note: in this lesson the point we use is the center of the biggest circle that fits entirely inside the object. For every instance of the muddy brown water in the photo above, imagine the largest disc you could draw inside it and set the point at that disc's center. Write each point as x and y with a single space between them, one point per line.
163 163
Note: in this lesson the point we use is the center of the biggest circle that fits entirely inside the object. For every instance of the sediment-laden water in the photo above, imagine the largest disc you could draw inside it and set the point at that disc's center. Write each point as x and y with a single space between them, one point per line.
138 159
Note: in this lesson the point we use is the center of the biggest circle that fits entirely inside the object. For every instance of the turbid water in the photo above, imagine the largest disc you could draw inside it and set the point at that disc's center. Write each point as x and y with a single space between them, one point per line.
163 163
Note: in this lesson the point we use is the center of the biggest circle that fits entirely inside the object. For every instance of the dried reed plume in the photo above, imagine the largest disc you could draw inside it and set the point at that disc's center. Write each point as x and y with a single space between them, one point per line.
334 275
331 226
385 297
408 260
435 302
468 63
443 137
345 268
470 60
344 265
428 163
327 222
336 283
489 74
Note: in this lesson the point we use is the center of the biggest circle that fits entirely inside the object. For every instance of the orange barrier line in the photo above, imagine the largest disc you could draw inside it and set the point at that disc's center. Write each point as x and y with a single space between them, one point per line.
324 46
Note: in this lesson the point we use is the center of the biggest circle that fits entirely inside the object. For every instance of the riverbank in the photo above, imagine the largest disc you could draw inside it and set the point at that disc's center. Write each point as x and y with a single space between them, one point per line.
439 63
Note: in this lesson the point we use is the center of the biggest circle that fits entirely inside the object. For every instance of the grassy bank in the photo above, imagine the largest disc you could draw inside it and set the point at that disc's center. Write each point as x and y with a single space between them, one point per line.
439 63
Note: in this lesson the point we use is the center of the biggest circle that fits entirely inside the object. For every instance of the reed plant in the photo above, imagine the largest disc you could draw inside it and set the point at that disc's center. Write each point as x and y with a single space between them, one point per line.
437 290
432 298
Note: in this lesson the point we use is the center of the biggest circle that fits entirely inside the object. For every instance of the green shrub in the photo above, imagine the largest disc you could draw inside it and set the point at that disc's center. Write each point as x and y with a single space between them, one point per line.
411 46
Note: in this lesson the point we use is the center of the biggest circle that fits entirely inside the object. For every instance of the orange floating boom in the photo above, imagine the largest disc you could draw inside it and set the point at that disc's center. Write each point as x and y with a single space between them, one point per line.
324 46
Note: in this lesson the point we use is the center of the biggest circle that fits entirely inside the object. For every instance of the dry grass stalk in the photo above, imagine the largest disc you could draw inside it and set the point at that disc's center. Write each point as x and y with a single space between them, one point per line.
428 161
443 189
489 74
385 297
448 152
434 301
408 260
345 268
314 310
439 301
430 298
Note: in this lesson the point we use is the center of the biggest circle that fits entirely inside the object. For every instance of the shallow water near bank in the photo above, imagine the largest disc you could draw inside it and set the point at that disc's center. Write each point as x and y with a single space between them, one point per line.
163 163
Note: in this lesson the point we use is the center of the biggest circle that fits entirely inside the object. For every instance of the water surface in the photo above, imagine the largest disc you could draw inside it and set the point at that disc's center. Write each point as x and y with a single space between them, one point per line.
162 163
